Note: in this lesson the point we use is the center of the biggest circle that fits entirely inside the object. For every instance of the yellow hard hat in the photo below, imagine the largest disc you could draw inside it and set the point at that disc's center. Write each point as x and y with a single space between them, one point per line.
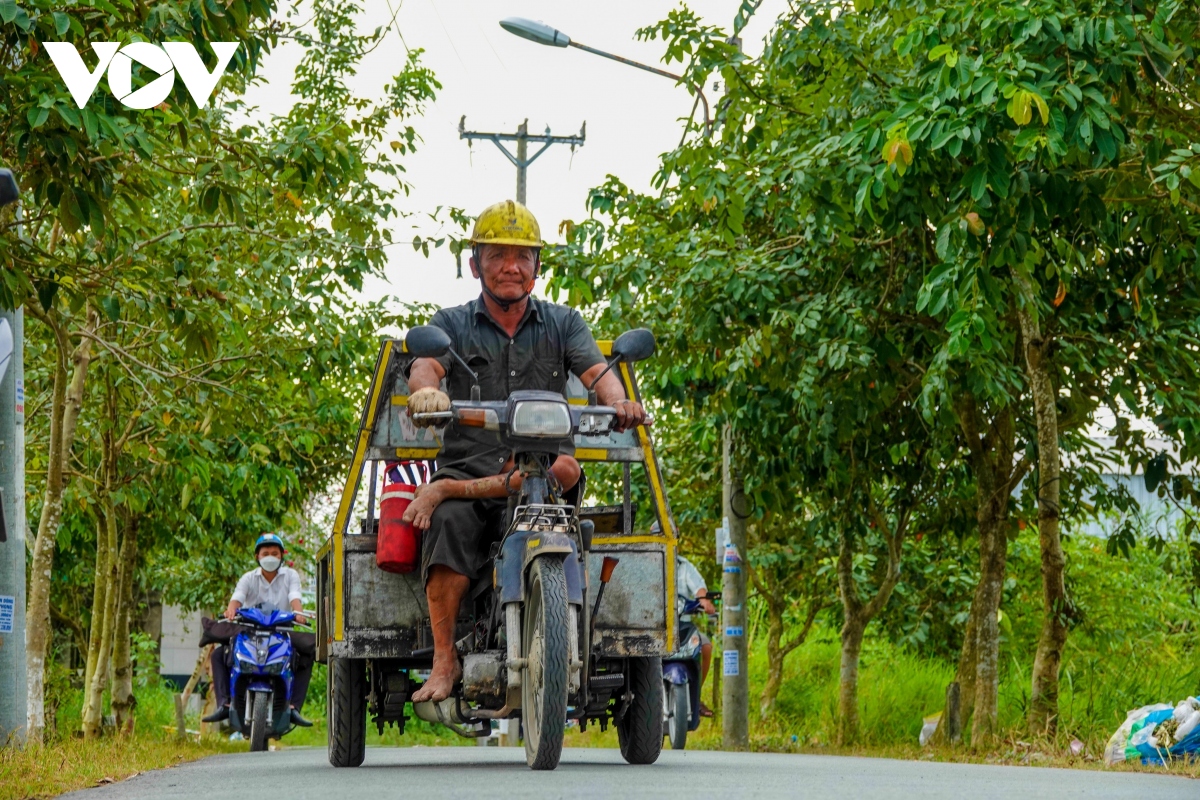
507 222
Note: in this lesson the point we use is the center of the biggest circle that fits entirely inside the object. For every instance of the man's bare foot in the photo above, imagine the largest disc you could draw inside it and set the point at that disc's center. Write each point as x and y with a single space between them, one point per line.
442 678
420 511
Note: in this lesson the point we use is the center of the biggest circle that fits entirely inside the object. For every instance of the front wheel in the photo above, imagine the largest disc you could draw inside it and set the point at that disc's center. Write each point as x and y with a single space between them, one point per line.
678 710
640 730
258 722
544 643
347 709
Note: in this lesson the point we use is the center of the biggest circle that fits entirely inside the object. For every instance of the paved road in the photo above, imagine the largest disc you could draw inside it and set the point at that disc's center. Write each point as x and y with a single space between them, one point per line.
459 772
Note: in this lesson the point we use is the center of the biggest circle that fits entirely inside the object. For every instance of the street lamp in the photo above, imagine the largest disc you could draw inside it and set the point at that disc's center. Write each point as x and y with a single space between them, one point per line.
12 504
542 33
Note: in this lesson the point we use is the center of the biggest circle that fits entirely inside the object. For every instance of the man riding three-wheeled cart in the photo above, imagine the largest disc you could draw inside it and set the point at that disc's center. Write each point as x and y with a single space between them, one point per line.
524 603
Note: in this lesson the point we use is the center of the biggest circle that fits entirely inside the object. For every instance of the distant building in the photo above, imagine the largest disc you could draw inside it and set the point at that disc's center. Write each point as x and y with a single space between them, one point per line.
1156 516
179 646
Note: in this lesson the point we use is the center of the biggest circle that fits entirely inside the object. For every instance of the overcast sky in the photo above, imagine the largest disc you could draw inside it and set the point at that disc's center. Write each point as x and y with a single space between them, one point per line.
497 80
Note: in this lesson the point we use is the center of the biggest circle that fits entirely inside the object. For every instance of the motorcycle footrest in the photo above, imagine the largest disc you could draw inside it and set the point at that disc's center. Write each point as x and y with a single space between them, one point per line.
612 680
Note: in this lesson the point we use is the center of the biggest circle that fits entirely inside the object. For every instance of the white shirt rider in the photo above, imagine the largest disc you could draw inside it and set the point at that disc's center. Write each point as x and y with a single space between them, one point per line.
270 587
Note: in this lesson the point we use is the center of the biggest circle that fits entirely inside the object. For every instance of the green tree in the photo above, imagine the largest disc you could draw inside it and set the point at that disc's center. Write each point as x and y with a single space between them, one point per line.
973 180
187 247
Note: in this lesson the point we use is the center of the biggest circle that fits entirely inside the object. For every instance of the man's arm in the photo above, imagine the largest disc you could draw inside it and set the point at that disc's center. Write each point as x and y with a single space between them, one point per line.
610 392
583 357
295 598
430 495
425 373
239 596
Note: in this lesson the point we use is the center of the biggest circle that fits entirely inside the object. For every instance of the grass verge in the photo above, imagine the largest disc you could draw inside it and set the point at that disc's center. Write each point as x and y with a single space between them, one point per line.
71 764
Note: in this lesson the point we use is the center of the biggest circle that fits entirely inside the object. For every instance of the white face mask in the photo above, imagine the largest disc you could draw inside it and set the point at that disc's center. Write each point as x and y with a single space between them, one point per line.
270 563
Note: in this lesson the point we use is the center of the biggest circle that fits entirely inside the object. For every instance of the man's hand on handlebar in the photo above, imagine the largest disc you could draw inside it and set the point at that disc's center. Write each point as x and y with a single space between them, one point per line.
425 401
630 414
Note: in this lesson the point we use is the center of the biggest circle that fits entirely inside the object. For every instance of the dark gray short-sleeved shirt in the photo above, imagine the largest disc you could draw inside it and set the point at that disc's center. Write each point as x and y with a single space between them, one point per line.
551 341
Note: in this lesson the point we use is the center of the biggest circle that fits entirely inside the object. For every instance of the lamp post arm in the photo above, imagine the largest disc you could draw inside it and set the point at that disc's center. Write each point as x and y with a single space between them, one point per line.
679 78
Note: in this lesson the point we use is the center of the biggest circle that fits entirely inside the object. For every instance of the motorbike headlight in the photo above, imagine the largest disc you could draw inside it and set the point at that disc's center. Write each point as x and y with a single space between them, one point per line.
595 424
274 669
695 640
539 418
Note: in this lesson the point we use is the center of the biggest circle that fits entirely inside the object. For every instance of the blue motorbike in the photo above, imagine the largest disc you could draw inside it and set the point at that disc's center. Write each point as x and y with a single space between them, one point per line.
681 681
260 681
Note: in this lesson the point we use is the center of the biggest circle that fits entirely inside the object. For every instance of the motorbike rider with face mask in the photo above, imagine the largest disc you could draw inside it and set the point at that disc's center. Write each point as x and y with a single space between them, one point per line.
512 341
271 587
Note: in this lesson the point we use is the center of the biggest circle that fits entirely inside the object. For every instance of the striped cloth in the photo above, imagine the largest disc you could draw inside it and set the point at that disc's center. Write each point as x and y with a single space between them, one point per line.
413 473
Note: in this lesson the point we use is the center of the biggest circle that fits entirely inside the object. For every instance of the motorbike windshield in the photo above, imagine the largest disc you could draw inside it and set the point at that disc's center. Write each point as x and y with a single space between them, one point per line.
265 619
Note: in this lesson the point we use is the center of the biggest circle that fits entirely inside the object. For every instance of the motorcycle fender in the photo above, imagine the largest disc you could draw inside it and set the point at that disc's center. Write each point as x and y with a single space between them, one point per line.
675 672
520 549
261 686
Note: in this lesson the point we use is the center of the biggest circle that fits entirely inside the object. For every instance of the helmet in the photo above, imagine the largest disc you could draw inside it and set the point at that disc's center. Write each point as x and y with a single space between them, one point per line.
506 222
266 539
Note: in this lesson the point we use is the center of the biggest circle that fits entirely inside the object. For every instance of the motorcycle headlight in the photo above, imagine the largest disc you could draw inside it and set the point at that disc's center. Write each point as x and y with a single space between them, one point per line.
695 640
595 424
247 664
538 418
274 669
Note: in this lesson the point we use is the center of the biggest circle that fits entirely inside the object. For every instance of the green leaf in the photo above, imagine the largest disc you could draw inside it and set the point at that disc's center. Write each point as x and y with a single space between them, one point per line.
1043 109
37 117
89 123
1156 472
979 182
8 10
111 305
69 115
62 23
939 51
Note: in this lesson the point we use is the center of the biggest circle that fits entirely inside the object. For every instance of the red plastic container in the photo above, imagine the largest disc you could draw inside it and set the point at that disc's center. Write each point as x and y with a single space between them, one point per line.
398 548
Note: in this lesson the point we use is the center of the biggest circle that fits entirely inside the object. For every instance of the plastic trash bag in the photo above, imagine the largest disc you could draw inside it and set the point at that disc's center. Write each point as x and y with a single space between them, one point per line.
1120 747
1157 733
929 727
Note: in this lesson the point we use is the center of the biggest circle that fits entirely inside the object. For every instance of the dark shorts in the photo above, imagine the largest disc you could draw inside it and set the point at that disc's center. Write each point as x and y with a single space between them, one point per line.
460 535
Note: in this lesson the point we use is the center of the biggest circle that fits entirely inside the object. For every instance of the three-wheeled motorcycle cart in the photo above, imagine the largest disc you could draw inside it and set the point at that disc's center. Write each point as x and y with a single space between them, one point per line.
373 627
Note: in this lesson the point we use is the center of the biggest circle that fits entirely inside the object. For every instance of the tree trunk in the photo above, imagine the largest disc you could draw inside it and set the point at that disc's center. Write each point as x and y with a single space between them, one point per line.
852 636
987 627
1043 700
122 683
857 615
65 406
991 459
967 658
99 603
770 691
93 709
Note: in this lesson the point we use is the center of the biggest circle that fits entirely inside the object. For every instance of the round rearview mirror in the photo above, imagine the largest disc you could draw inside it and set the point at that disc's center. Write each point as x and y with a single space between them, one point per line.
427 341
634 345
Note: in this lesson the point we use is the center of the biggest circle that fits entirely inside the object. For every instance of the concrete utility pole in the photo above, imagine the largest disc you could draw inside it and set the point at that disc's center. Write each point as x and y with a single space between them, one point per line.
12 508
735 689
522 160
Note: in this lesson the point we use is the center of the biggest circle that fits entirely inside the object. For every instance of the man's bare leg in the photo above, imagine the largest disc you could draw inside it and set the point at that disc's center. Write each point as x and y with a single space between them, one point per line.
444 591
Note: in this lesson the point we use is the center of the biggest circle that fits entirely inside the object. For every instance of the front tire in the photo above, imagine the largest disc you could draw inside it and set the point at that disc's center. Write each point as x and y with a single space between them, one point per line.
678 707
640 731
347 709
544 644
258 722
